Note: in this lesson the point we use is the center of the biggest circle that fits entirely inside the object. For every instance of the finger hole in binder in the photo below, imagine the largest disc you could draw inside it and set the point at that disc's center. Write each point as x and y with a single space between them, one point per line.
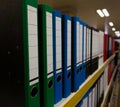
50 84
69 75
78 70
59 78
34 91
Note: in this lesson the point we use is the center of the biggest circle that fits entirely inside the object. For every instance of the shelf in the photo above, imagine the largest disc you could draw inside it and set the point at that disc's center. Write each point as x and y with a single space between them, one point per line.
75 97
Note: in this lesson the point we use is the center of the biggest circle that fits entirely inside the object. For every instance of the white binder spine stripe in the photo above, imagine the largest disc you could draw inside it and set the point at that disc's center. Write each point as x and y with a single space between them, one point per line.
84 42
90 99
93 97
49 42
80 43
85 102
69 43
58 44
33 44
89 43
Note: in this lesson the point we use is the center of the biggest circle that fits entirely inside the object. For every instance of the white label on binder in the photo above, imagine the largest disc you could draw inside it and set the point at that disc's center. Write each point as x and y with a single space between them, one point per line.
49 42
89 43
68 43
80 51
58 43
85 102
90 99
32 44
78 42
85 42
96 95
93 97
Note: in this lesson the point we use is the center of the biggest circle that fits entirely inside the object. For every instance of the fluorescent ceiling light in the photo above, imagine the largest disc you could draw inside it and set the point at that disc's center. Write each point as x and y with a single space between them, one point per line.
105 12
117 33
100 13
113 29
111 23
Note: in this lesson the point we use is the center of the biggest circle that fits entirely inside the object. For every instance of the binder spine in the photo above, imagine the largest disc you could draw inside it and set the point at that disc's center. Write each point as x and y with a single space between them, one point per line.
73 48
57 41
75 54
46 55
66 58
30 42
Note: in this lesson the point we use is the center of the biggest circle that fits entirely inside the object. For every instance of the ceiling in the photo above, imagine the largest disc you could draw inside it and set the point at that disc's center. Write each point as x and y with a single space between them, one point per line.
86 11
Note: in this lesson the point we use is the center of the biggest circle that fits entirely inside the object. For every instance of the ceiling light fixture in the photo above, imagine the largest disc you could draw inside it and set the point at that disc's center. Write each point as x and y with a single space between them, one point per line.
111 23
117 33
106 13
100 13
113 29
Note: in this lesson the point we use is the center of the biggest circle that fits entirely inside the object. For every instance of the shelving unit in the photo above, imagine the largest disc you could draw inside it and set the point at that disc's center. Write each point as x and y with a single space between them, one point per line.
75 97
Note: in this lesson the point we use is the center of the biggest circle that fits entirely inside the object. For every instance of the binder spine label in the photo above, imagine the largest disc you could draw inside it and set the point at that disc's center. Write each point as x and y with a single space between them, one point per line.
89 34
84 42
81 42
58 44
33 44
78 43
49 42
90 99
69 43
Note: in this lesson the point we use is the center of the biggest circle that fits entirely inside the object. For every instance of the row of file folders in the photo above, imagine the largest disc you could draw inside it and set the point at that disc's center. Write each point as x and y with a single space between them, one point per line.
59 52
66 44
